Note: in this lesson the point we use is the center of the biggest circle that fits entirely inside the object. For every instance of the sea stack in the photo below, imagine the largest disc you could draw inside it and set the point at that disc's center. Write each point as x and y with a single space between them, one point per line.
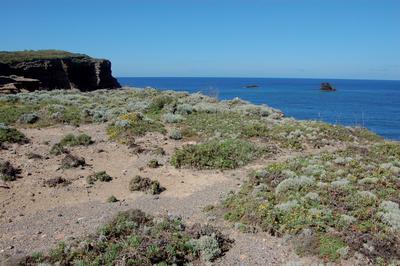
326 86
53 69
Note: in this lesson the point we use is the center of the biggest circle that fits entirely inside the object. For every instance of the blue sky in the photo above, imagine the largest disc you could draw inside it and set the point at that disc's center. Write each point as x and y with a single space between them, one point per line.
216 38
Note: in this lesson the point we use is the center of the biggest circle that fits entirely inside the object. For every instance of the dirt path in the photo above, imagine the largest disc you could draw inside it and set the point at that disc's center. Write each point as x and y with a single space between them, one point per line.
35 217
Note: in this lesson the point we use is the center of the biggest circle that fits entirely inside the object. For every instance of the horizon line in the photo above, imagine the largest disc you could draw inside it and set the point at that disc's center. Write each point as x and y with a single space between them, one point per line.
230 77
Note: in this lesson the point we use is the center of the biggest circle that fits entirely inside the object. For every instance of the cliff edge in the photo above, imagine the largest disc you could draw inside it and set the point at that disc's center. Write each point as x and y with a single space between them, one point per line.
53 69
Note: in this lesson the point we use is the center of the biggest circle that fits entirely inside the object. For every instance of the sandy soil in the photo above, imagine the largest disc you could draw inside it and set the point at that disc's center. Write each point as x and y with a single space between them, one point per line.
35 217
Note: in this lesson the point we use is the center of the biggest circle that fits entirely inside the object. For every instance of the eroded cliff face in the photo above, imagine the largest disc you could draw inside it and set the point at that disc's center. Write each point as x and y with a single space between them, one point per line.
76 72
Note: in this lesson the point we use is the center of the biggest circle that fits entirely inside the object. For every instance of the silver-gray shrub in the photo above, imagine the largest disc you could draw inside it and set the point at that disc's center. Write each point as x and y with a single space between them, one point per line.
138 106
172 118
294 184
175 134
184 109
208 247
29 118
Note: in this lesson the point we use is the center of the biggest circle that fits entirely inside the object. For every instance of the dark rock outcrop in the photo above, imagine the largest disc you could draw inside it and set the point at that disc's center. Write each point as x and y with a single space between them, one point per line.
326 86
251 86
14 84
66 71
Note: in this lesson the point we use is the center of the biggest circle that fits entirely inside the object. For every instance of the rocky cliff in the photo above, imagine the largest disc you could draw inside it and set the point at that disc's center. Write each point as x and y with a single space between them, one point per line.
49 70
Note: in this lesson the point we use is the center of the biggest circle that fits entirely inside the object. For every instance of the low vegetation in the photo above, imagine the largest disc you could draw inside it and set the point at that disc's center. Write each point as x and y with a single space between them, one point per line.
8 172
131 125
153 163
216 154
101 176
57 182
112 199
133 113
28 55
135 238
11 135
334 203
70 140
72 161
145 184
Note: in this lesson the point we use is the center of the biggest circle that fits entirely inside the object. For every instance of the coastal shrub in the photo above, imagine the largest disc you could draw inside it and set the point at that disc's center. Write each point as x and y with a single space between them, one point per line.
225 124
216 154
101 176
136 106
205 107
8 172
172 118
29 118
299 135
70 140
79 140
208 247
132 124
346 199
10 112
175 134
159 102
136 238
184 109
112 199
58 149
153 163
29 55
11 135
56 181
145 184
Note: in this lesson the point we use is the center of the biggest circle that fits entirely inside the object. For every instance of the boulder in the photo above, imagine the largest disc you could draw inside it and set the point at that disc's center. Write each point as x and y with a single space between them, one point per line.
53 69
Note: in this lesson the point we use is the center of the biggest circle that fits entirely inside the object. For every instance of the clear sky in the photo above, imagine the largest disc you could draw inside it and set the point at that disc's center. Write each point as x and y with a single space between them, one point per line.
216 38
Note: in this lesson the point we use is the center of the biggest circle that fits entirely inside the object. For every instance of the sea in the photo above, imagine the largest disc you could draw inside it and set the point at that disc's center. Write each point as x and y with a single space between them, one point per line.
374 104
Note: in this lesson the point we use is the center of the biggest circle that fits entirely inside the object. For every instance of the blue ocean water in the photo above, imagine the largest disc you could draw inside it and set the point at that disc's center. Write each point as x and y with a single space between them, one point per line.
374 104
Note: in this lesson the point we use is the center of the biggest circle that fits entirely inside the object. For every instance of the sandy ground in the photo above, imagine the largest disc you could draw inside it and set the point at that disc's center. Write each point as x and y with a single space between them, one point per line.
35 217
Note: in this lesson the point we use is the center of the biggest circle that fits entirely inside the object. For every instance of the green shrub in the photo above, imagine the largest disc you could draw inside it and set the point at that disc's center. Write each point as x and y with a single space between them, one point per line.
145 184
175 134
216 154
11 111
112 199
29 118
11 135
28 55
70 140
101 176
7 171
153 163
58 149
130 125
138 239
344 198
159 102
80 140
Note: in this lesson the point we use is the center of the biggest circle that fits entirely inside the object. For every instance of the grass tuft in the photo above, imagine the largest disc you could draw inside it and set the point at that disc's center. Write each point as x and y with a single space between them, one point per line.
216 154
